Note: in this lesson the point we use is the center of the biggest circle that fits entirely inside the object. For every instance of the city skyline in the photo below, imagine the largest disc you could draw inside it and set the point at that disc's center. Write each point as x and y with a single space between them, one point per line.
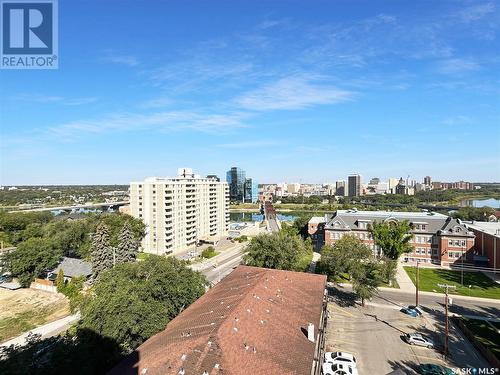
287 92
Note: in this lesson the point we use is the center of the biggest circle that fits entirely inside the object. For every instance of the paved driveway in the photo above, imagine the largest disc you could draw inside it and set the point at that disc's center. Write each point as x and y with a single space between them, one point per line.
374 335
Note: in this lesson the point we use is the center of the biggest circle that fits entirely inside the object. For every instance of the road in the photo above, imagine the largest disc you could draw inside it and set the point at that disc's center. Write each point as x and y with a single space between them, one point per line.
74 207
271 217
435 303
354 326
47 330
218 271
222 265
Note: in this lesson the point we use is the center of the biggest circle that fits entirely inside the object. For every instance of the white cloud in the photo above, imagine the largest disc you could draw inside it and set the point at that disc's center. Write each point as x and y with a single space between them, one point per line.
57 99
157 103
292 93
250 144
456 120
158 121
475 12
127 60
457 66
271 23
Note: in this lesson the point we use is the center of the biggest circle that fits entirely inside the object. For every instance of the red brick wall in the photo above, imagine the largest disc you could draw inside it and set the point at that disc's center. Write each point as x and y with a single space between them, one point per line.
485 245
445 248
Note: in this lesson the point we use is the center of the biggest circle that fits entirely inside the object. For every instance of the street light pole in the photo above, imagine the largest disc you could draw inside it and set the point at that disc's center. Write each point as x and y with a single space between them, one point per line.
446 326
462 275
416 287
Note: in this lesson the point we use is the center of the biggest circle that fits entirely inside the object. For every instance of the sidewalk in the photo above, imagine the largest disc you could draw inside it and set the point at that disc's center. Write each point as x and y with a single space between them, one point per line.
47 330
404 281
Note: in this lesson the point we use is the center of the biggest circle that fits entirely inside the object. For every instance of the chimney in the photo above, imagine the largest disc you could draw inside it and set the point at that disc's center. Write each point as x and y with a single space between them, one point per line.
310 332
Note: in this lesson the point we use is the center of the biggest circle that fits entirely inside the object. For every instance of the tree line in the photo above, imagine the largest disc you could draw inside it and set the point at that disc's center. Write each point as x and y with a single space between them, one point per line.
125 302
41 239
348 259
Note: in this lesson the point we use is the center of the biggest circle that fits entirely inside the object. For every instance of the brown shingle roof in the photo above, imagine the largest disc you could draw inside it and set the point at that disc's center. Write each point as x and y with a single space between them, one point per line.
252 322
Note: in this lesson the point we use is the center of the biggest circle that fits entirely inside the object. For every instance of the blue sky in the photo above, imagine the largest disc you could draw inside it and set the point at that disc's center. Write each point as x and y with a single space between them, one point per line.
298 91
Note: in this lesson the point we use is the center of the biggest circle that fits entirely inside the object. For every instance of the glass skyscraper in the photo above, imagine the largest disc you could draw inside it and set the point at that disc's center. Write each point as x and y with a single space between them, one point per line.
241 189
236 179
251 190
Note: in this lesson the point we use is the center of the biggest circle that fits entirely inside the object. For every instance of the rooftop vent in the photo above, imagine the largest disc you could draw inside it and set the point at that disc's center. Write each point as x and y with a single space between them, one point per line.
310 332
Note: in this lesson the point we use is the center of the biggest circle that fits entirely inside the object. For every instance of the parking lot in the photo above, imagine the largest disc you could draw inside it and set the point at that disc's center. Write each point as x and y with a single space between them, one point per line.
374 334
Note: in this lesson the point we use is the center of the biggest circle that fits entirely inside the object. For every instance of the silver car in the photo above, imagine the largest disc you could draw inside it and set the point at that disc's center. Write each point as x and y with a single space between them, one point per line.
418 339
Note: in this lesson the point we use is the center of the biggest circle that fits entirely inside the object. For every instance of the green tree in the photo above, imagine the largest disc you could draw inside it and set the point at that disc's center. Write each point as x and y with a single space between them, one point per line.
365 280
128 247
392 237
69 235
101 254
474 213
342 258
209 252
280 250
17 221
60 284
387 269
31 259
133 301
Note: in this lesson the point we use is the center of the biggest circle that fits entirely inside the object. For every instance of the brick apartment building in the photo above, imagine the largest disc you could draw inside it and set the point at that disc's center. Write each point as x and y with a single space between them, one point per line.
255 321
487 244
437 238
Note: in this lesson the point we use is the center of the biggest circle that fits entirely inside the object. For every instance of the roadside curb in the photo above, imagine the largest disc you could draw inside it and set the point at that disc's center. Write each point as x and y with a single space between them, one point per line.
453 296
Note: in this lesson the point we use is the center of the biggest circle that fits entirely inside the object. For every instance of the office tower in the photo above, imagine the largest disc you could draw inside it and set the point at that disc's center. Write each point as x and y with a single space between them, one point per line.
427 180
180 211
340 188
354 185
251 190
236 178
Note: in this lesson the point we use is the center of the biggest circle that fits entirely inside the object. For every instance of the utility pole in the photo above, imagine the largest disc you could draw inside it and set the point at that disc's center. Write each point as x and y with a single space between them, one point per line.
416 287
446 329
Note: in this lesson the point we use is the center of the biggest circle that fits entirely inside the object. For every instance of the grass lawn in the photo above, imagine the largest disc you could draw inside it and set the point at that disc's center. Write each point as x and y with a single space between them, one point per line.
485 333
304 261
25 309
429 278
142 256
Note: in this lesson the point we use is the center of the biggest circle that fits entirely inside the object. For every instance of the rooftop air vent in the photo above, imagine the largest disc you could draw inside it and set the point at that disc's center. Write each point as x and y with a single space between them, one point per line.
310 332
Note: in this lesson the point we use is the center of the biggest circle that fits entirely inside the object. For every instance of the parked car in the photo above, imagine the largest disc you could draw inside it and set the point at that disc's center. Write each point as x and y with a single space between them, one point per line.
415 308
432 369
5 278
340 357
410 312
418 339
339 369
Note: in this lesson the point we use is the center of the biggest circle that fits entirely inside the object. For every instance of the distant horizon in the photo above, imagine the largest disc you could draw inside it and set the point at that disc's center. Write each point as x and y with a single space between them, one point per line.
289 91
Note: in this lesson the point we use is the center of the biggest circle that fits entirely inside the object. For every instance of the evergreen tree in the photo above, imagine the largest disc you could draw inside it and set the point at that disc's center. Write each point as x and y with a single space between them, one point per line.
127 248
60 281
101 252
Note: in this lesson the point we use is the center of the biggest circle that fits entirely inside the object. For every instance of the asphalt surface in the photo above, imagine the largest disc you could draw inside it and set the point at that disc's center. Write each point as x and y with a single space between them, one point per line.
436 304
374 332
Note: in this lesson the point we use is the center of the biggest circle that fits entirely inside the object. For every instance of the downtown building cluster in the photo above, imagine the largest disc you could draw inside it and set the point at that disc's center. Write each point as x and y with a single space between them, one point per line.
354 186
